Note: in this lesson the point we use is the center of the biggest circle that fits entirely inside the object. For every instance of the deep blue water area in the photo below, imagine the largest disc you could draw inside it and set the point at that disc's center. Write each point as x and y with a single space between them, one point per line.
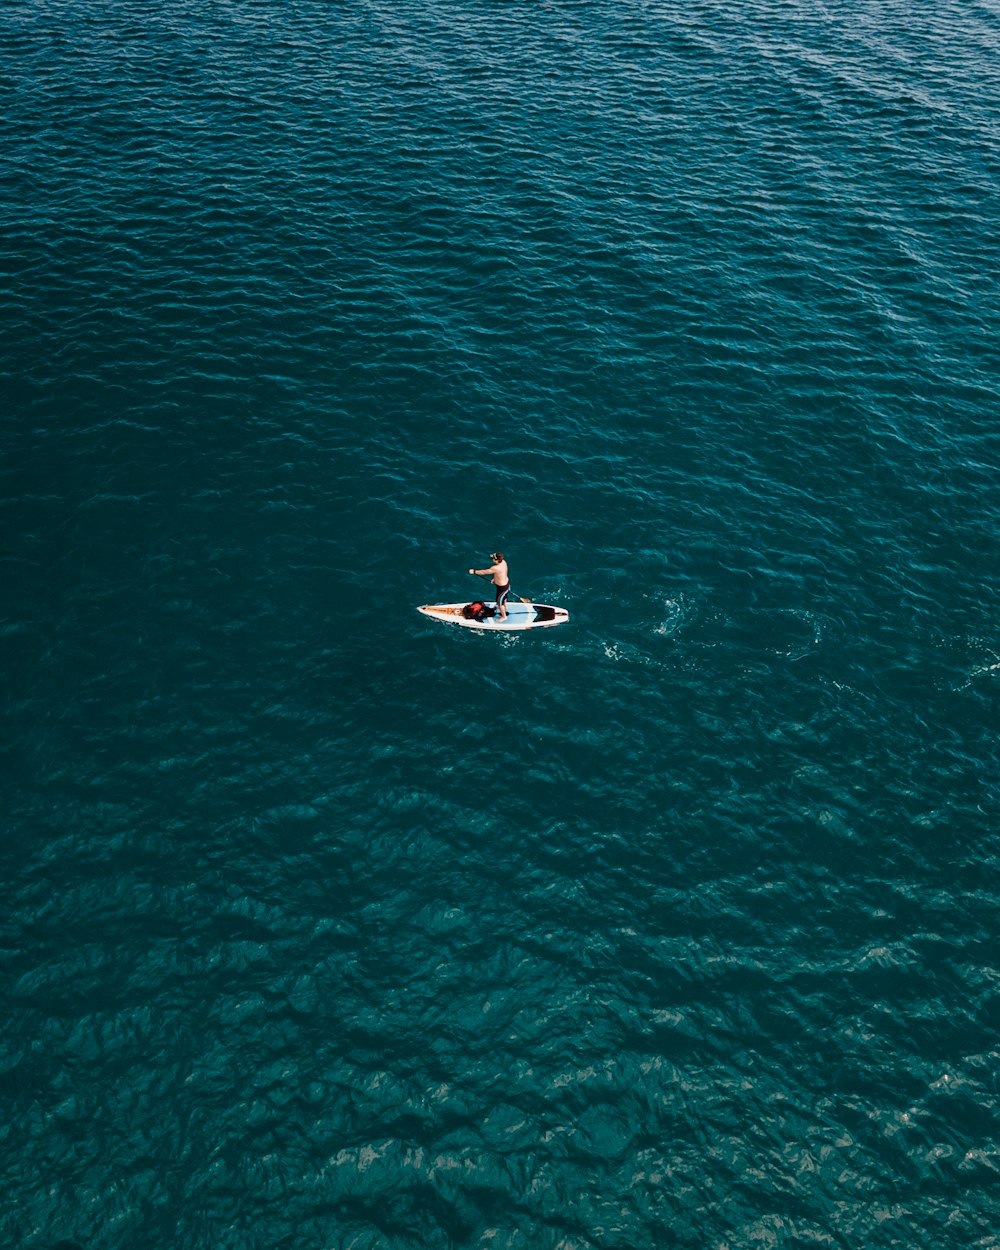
326 926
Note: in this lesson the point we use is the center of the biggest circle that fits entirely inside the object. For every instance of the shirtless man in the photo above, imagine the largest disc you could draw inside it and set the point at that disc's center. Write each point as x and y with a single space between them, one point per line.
501 580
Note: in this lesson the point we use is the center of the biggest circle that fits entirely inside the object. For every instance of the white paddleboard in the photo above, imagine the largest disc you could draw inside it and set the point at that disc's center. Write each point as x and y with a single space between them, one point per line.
519 616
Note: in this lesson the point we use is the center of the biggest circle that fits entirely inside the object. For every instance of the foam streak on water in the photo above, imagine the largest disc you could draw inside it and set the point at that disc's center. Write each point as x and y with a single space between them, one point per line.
326 926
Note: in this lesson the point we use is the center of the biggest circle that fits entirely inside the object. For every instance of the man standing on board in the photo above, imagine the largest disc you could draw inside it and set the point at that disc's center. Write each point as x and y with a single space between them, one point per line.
501 581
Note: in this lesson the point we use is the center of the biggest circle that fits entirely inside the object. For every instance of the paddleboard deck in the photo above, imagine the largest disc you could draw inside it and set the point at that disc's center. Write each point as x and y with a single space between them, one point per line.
519 616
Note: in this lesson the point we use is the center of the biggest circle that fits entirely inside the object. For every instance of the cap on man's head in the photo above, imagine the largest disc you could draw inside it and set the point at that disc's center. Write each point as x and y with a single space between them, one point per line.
497 555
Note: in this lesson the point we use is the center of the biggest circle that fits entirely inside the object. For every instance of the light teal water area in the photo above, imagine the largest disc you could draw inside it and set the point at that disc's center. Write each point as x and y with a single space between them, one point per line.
324 925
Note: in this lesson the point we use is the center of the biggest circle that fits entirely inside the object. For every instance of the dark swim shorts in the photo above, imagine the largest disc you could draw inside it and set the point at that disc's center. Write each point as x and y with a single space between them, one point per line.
502 593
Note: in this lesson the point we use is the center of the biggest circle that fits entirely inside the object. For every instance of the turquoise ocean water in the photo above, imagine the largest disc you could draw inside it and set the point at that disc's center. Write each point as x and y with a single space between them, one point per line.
325 926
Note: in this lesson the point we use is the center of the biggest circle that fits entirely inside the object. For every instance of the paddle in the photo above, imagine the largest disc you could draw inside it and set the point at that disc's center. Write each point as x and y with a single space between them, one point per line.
521 597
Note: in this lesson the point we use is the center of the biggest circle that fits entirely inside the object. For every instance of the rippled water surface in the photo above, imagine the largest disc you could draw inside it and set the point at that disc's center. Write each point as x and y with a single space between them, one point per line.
327 926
